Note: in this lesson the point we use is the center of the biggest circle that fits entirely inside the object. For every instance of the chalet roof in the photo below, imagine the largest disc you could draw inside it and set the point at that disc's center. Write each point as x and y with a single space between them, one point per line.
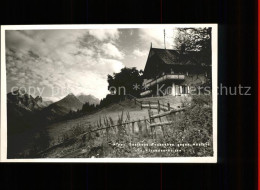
175 57
161 60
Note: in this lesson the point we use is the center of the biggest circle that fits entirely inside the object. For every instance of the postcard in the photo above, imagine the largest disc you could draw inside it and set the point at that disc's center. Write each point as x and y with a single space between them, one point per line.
109 93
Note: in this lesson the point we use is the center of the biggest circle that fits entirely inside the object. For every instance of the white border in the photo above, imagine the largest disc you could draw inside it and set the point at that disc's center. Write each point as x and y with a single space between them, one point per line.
3 140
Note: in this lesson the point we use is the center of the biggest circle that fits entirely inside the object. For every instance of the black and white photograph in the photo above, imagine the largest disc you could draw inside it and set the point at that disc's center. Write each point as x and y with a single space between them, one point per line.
109 93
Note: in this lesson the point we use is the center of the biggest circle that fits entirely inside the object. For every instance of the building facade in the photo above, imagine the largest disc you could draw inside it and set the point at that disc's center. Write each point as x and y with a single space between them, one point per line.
174 72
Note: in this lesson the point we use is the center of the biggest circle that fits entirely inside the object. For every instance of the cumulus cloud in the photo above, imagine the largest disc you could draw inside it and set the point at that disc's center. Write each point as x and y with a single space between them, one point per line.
112 51
139 53
76 61
111 64
56 59
104 34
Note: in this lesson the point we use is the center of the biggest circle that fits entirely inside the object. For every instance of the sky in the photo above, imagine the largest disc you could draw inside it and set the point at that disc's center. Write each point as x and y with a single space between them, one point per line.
54 63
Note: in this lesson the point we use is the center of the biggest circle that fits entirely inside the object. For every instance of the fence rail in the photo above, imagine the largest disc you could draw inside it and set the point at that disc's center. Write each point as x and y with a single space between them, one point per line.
150 104
117 125
167 113
161 123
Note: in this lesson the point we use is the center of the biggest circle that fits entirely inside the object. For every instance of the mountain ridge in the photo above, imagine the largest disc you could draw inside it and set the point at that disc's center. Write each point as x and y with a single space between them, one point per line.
88 98
26 101
46 110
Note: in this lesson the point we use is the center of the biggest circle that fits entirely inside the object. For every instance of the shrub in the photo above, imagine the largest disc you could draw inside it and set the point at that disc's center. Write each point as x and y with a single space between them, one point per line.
202 100
195 127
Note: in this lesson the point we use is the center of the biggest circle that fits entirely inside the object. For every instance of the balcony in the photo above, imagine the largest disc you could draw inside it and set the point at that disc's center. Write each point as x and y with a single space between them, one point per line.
164 78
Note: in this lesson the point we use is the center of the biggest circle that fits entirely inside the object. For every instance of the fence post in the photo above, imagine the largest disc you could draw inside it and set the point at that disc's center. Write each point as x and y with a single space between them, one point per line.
151 121
146 127
169 108
141 105
133 127
107 130
140 129
159 106
149 114
149 105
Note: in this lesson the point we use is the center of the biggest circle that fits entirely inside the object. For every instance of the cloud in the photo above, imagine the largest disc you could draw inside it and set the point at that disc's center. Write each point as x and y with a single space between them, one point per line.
33 55
56 59
111 64
139 53
104 34
156 37
112 51
76 61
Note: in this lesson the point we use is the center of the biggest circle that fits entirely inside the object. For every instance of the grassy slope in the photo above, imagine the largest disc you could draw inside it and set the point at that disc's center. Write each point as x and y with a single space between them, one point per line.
58 129
112 111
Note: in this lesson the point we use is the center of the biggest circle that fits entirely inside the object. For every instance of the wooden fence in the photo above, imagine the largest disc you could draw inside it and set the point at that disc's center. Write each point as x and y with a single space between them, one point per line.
150 104
137 127
149 127
159 126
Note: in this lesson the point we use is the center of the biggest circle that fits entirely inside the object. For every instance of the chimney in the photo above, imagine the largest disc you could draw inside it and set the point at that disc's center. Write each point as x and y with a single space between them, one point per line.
151 45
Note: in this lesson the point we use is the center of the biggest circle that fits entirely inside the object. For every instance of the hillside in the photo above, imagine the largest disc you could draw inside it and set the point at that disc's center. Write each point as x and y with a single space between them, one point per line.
22 111
60 131
113 111
97 145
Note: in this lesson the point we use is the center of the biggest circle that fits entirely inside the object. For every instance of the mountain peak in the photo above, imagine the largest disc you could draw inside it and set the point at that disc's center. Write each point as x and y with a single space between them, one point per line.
38 99
71 94
88 98
70 102
22 99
